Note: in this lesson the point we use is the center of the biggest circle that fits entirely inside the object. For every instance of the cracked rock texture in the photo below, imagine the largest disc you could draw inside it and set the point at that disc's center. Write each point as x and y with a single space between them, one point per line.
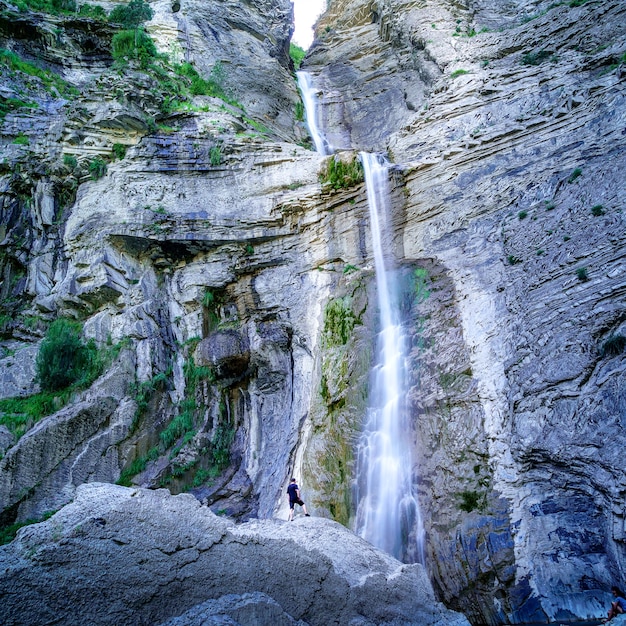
119 555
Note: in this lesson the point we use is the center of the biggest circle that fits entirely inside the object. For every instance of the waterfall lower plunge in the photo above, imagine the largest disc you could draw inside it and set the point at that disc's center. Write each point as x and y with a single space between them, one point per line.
388 514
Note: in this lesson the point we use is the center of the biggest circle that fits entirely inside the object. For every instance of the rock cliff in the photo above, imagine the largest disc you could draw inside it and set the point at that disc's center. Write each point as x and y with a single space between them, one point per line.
230 290
508 123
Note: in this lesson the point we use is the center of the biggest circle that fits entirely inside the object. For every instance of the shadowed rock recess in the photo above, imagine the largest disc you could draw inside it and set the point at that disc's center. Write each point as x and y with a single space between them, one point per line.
225 292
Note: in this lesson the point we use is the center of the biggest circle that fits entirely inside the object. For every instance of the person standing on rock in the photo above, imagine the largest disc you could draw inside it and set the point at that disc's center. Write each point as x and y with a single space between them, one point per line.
618 606
294 498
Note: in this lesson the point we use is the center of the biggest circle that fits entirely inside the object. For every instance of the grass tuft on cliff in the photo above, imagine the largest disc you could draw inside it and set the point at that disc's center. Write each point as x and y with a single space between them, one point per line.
340 175
8 533
49 80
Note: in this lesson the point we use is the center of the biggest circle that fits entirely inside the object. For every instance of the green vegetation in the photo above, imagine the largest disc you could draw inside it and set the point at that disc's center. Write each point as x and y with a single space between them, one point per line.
581 273
8 533
421 283
53 7
64 359
181 430
20 414
215 155
131 15
535 58
522 215
64 366
340 175
69 160
577 3
549 205
211 301
13 104
613 346
213 86
97 168
137 466
471 500
133 44
21 140
297 54
457 73
339 321
597 210
144 392
119 150
574 175
50 80
513 260
94 11
299 112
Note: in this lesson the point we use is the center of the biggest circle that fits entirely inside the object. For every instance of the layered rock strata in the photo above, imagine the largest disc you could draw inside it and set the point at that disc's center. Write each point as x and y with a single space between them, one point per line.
508 122
238 288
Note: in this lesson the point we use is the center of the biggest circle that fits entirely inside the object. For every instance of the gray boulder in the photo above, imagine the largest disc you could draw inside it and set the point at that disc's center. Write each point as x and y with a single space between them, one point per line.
234 610
119 556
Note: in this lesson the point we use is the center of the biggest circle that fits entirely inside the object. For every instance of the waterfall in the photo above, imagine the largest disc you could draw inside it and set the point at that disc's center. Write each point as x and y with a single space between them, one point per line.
388 514
309 97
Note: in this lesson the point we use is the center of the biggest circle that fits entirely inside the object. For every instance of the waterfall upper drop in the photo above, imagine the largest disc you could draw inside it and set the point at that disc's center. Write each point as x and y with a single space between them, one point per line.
388 514
309 97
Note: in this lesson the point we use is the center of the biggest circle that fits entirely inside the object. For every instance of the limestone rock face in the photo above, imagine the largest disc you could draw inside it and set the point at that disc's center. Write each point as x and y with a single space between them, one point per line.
511 139
249 43
206 205
169 560
71 447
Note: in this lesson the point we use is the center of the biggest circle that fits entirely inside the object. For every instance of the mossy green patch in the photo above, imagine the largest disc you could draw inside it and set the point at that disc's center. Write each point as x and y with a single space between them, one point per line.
339 321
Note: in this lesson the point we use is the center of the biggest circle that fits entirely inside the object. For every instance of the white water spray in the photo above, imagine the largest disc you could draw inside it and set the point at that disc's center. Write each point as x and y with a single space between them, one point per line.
388 514
310 97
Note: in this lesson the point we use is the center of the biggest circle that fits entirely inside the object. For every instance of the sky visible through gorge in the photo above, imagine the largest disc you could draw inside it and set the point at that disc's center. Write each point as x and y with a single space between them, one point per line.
305 13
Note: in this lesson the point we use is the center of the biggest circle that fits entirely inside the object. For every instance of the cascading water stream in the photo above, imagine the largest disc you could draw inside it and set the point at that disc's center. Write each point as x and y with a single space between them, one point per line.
309 97
388 514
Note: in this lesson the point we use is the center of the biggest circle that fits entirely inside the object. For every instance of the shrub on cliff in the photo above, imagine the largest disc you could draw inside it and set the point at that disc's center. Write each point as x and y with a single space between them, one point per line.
131 15
133 44
340 175
63 358
297 54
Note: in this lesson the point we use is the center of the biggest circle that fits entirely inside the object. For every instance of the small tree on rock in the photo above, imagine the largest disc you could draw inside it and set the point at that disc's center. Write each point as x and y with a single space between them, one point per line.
63 358
132 15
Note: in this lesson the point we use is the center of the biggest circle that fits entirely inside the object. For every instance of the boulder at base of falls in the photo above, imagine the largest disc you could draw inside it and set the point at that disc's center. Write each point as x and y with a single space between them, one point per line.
133 556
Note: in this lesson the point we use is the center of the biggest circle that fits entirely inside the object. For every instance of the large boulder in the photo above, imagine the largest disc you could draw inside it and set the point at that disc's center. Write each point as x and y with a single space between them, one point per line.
121 556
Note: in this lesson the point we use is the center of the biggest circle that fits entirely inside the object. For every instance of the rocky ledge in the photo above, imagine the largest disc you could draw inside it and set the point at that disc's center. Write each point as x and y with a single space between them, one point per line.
119 556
